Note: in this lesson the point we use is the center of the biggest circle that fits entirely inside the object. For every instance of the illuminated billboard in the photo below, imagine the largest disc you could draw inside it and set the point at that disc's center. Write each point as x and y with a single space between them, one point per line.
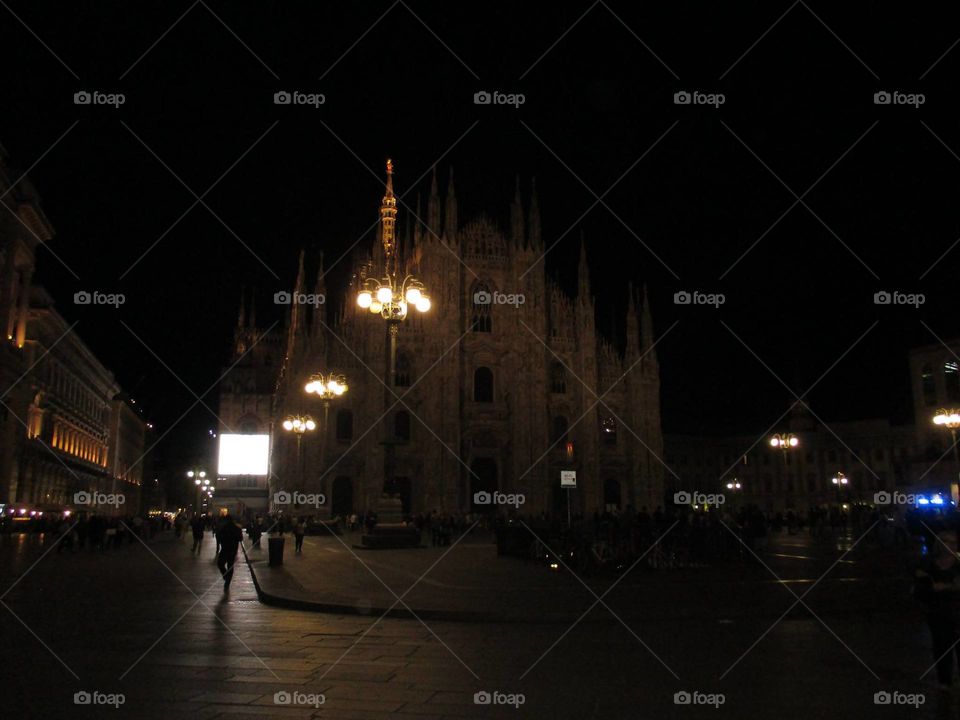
243 455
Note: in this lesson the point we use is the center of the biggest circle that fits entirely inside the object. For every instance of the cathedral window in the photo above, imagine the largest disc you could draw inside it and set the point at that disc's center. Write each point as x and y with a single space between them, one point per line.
558 378
481 298
951 379
608 430
401 375
483 385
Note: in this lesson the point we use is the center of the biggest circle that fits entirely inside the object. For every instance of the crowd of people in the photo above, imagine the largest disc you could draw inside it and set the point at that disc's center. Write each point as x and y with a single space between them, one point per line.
681 536
86 530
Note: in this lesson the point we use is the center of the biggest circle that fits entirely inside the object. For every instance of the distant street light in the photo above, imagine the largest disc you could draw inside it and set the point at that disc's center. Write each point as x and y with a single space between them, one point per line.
839 481
201 480
950 419
326 387
784 442
298 425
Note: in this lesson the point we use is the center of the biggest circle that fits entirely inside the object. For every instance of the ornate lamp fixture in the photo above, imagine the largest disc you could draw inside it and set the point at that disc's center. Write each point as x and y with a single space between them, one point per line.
326 387
391 296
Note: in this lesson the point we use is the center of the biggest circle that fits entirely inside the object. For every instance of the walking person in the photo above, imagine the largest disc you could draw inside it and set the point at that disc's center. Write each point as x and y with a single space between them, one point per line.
229 537
938 589
217 523
298 531
196 526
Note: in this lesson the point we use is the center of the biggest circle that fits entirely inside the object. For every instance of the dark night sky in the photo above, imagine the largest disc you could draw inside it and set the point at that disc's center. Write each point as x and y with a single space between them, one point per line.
599 99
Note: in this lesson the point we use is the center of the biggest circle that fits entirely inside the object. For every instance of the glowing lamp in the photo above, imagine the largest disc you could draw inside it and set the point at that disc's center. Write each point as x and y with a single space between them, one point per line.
364 299
384 294
423 303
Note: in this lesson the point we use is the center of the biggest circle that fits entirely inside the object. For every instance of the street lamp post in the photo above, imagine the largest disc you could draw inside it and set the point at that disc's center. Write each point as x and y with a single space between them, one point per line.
326 387
840 481
201 480
299 424
392 295
784 442
734 487
950 419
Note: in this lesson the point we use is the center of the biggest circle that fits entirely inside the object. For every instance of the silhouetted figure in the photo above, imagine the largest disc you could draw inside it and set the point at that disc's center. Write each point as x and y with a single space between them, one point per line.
229 536
196 526
298 530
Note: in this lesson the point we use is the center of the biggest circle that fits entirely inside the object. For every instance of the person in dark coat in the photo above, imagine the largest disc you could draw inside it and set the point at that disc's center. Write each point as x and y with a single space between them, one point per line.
196 526
229 535
938 589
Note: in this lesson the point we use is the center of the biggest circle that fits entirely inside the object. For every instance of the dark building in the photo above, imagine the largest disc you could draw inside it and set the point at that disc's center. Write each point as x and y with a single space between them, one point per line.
499 379
64 427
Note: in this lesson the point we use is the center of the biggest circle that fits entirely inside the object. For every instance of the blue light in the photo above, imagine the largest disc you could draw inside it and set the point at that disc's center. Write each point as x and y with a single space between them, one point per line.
921 500
936 499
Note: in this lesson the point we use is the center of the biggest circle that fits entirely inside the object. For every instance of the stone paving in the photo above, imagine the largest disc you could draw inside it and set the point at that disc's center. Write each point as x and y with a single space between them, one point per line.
152 622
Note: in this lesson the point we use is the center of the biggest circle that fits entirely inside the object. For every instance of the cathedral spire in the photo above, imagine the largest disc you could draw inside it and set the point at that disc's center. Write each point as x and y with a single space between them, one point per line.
418 225
646 327
320 293
583 273
242 317
633 337
296 321
388 220
533 219
450 213
433 207
516 219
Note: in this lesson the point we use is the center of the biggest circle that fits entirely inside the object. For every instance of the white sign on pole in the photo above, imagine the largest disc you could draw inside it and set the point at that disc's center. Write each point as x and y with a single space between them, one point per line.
568 478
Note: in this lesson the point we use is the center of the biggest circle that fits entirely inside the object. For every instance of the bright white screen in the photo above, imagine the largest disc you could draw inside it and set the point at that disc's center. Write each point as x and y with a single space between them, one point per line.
243 454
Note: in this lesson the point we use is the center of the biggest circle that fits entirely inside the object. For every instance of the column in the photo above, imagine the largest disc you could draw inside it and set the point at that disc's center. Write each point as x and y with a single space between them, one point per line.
23 309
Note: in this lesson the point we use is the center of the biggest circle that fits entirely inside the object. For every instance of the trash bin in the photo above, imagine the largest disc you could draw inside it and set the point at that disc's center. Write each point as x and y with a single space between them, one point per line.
275 548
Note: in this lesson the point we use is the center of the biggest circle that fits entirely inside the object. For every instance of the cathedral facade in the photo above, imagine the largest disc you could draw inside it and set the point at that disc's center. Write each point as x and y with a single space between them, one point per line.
500 386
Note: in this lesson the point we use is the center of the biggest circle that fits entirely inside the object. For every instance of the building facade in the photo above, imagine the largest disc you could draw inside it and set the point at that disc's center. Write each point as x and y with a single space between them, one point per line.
246 404
485 395
65 428
873 455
